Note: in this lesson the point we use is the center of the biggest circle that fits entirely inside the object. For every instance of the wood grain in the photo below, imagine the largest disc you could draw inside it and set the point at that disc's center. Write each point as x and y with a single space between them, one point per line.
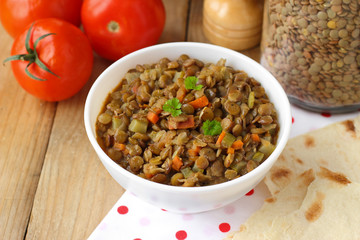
195 32
52 184
25 125
75 191
176 21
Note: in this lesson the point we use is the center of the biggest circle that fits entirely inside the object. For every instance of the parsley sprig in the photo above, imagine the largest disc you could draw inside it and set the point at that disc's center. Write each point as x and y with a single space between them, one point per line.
211 128
190 83
173 106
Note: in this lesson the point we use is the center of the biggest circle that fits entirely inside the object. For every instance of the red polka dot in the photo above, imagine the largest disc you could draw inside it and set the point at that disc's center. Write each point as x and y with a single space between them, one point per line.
181 235
326 114
137 238
292 119
164 210
251 192
123 210
224 227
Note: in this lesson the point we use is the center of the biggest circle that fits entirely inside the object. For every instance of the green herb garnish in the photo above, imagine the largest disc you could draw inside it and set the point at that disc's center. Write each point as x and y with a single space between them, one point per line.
173 106
190 83
211 128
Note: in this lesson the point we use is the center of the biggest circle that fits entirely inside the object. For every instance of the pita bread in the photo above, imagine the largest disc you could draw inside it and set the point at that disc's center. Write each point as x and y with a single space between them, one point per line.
330 210
324 207
335 147
315 189
283 203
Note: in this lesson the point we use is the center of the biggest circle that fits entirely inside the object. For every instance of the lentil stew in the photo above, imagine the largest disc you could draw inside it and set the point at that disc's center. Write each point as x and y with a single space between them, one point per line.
187 123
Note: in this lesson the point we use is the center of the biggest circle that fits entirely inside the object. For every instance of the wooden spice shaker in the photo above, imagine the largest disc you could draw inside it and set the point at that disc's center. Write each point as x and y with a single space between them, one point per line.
235 24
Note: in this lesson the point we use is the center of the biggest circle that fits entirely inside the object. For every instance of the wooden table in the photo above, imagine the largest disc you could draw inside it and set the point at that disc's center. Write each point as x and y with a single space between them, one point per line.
52 184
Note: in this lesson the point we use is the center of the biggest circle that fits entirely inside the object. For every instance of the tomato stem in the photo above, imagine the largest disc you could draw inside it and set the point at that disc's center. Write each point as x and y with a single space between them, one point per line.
113 26
32 56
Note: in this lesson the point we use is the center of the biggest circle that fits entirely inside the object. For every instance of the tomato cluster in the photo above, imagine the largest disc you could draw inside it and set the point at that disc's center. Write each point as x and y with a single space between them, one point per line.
52 58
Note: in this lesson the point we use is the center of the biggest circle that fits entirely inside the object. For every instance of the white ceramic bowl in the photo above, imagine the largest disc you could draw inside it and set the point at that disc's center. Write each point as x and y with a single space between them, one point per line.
182 199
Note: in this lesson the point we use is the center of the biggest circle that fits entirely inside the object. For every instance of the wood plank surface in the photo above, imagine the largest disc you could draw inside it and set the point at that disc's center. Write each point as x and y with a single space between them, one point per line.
52 184
75 191
25 125
176 21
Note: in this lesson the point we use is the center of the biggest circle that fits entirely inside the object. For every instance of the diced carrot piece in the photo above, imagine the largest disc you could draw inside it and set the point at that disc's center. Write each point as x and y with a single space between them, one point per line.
176 163
238 144
194 151
181 93
120 146
143 105
230 150
126 151
135 88
221 137
157 110
255 137
200 102
189 123
148 175
152 117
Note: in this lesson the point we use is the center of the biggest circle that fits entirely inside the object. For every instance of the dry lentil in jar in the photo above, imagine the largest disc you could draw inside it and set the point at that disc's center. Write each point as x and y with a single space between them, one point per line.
186 123
313 48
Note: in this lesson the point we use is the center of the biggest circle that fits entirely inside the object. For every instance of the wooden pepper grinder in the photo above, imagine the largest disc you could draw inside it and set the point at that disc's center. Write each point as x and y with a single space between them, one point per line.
235 24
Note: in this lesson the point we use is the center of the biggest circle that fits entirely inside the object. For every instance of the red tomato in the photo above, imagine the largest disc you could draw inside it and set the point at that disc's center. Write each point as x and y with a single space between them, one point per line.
116 28
67 54
15 15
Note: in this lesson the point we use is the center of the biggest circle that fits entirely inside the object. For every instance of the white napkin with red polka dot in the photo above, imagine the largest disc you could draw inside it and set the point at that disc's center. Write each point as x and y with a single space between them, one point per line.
133 219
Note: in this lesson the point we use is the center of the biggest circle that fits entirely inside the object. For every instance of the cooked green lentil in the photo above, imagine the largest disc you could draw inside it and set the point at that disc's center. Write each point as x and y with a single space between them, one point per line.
154 127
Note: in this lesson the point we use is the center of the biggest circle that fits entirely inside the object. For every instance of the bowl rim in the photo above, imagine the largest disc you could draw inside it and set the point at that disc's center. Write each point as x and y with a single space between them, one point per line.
285 127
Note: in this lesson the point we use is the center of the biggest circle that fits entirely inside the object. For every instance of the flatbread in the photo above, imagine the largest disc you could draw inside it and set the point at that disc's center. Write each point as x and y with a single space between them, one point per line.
330 210
281 204
315 186
324 207
335 147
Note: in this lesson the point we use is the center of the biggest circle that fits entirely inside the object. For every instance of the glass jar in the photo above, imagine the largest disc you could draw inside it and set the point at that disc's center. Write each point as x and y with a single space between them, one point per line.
313 48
